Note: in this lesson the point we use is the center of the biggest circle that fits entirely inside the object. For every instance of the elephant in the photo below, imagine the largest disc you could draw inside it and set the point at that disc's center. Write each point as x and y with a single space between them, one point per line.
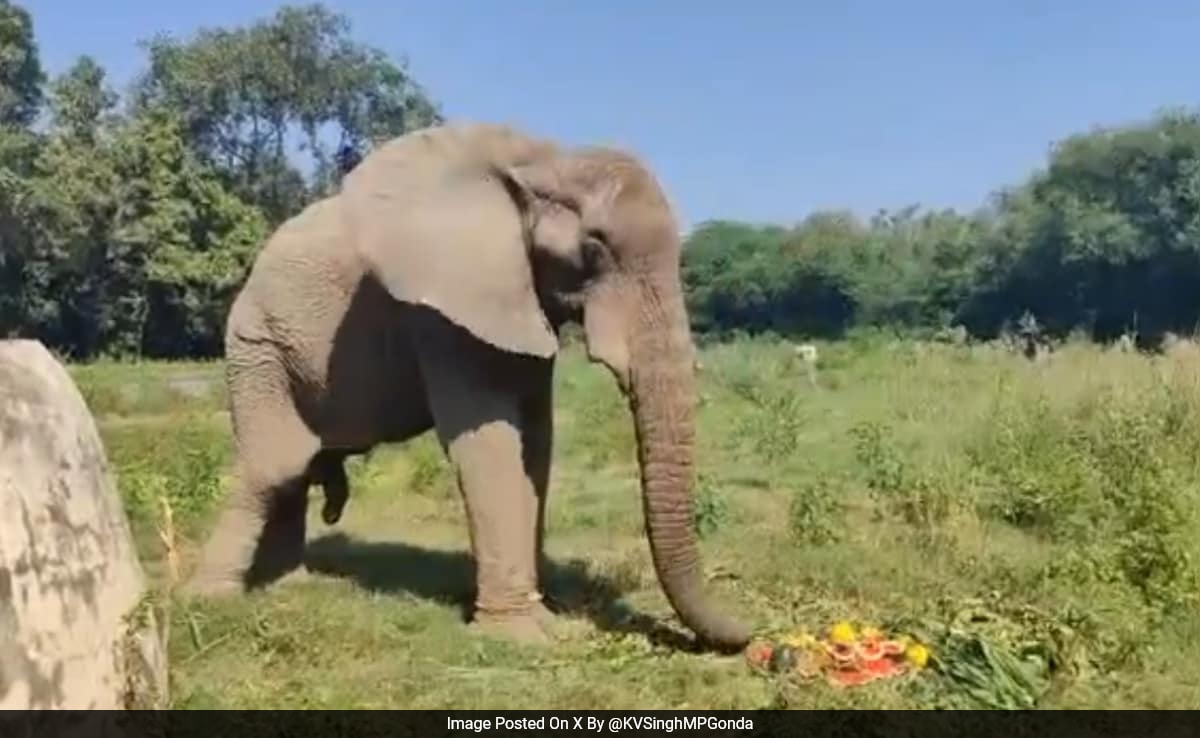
428 294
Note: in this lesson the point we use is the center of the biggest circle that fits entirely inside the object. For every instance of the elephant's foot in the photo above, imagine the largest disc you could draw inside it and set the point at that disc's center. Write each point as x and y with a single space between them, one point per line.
523 628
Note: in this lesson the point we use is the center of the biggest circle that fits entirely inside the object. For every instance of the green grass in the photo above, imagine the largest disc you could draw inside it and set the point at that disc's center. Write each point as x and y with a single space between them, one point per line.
1037 523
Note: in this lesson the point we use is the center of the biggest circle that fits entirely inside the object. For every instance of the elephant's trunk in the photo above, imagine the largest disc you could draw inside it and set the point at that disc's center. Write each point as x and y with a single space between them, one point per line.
661 396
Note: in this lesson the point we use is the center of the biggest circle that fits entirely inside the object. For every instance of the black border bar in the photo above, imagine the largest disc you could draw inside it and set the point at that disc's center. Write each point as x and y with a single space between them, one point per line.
569 724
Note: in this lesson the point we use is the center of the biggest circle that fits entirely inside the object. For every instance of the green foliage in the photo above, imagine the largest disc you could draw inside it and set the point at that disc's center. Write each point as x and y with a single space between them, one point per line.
127 233
920 498
242 92
830 272
1088 604
80 99
711 510
1102 473
196 239
21 75
125 244
186 467
124 233
774 429
882 463
1106 240
815 513
604 432
1116 216
740 277
429 471
995 678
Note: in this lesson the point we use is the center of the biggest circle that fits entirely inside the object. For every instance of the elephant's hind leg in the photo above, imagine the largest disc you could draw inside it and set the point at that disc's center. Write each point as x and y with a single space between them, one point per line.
260 534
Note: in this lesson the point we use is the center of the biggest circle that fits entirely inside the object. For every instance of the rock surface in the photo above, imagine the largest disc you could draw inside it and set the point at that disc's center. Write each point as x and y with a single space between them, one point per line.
76 629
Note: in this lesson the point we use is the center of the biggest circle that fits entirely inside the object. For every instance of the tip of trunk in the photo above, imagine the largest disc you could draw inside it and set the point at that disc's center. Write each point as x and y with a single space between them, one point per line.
714 629
718 631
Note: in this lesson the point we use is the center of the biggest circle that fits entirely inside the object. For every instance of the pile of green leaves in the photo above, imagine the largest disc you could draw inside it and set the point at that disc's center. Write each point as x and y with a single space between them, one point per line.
989 654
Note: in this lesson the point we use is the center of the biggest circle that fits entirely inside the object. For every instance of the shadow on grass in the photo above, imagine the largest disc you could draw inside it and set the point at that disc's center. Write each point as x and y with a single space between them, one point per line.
448 578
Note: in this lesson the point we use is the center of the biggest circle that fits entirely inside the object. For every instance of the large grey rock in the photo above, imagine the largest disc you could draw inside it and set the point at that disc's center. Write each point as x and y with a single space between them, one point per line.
76 628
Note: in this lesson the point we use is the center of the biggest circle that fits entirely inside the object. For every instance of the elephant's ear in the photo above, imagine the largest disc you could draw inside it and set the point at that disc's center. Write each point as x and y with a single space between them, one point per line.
456 241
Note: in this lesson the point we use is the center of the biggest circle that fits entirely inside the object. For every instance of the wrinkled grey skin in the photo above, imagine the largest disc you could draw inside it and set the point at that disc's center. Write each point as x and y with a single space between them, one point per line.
428 294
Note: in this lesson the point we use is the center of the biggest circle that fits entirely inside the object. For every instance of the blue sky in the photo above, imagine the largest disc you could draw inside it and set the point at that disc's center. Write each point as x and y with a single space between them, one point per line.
755 110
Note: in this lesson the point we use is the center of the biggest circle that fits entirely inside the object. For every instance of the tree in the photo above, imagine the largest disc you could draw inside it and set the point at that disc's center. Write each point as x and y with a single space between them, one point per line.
80 99
21 80
21 75
1106 239
22 299
184 241
746 278
129 233
243 92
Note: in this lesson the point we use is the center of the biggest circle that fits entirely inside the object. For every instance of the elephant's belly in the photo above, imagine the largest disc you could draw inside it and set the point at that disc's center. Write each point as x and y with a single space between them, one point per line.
374 393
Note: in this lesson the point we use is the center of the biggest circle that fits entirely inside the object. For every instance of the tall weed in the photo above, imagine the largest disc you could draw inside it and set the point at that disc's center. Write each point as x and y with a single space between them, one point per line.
182 459
1103 472
920 498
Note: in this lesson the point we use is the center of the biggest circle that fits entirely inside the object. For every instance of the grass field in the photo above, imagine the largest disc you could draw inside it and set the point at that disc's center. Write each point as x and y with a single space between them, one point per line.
1036 523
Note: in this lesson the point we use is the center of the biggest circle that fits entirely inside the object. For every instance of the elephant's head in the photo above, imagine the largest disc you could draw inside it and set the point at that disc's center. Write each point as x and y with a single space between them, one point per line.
538 236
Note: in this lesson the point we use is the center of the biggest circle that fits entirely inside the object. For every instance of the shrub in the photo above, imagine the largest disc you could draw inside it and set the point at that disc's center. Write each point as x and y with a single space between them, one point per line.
711 509
1103 474
814 515
430 472
182 459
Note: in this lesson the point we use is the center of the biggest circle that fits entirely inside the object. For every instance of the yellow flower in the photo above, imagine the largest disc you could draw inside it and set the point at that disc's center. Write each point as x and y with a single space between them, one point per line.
842 633
872 634
917 655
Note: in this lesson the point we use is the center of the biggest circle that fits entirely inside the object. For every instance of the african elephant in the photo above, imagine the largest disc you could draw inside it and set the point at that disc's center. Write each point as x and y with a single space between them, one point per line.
429 294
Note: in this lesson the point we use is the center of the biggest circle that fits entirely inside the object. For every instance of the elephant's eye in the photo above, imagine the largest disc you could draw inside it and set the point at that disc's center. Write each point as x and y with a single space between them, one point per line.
595 251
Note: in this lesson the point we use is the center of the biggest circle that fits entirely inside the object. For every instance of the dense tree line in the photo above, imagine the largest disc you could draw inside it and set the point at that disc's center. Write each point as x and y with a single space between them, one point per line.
1105 241
127 221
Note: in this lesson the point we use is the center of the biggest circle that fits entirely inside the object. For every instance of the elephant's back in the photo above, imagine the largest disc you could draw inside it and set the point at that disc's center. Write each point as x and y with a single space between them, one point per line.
407 169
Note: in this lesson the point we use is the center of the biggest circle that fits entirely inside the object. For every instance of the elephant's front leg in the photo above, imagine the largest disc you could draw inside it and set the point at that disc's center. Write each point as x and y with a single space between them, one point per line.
502 512
537 446
479 422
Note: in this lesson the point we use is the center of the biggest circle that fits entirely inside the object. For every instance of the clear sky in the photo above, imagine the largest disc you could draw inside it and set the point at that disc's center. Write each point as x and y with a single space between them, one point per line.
755 110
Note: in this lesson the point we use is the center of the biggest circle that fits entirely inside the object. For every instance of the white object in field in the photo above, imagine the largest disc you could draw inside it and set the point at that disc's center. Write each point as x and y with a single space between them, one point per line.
76 631
807 353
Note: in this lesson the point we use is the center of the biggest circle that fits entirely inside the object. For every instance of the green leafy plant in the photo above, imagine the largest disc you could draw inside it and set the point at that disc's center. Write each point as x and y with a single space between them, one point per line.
429 470
814 515
711 509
